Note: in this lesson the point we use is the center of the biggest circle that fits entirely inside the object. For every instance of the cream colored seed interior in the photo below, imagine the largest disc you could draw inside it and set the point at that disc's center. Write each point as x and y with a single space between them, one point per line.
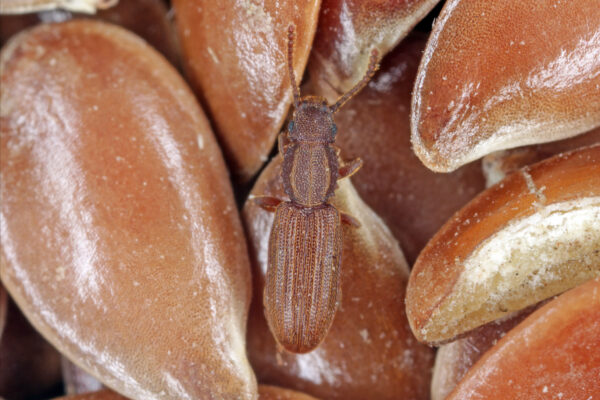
554 235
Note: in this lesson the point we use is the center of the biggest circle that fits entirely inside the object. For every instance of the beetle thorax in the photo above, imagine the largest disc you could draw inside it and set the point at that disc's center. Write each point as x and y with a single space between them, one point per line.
309 173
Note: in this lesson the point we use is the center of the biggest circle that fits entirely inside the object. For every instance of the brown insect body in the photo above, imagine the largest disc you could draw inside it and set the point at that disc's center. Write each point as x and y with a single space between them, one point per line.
302 289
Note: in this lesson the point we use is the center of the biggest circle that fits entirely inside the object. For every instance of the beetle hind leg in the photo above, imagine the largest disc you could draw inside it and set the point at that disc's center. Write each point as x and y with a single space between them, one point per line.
267 203
349 168
348 219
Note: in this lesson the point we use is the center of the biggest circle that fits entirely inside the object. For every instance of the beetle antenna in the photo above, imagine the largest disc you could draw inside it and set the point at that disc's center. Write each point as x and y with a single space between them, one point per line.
293 82
373 67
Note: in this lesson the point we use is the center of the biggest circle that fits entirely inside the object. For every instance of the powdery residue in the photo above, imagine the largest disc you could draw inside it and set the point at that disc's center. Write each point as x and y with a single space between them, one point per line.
556 234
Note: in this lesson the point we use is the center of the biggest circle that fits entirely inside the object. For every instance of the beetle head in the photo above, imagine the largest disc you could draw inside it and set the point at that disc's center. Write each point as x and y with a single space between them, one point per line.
312 121
313 117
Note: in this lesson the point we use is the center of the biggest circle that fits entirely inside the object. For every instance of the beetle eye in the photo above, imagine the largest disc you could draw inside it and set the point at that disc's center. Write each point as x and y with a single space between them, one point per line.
334 129
291 126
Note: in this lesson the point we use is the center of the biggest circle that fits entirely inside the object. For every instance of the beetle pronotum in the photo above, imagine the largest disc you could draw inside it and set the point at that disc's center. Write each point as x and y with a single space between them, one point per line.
302 289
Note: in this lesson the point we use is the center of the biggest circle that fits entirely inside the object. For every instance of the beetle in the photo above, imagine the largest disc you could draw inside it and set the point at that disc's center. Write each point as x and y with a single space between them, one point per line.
302 289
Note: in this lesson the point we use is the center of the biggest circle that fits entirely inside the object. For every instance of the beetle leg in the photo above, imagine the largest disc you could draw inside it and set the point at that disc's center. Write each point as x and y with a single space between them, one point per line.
349 220
282 142
266 202
349 168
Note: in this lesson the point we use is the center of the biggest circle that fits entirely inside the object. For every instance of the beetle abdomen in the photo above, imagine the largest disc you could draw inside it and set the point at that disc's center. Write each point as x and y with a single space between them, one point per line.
303 277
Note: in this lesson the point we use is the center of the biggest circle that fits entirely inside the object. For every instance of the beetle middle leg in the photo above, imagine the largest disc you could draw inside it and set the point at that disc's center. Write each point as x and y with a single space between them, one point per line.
267 203
282 142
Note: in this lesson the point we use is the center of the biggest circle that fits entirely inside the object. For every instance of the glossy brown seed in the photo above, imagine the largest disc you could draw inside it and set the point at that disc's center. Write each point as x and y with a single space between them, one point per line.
531 236
99 395
553 354
235 58
28 6
369 352
375 126
120 238
453 360
266 392
147 18
347 32
29 365
502 74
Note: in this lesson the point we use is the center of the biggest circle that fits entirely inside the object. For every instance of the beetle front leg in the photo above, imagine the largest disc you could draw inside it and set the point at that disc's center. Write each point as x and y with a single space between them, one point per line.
349 168
267 203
